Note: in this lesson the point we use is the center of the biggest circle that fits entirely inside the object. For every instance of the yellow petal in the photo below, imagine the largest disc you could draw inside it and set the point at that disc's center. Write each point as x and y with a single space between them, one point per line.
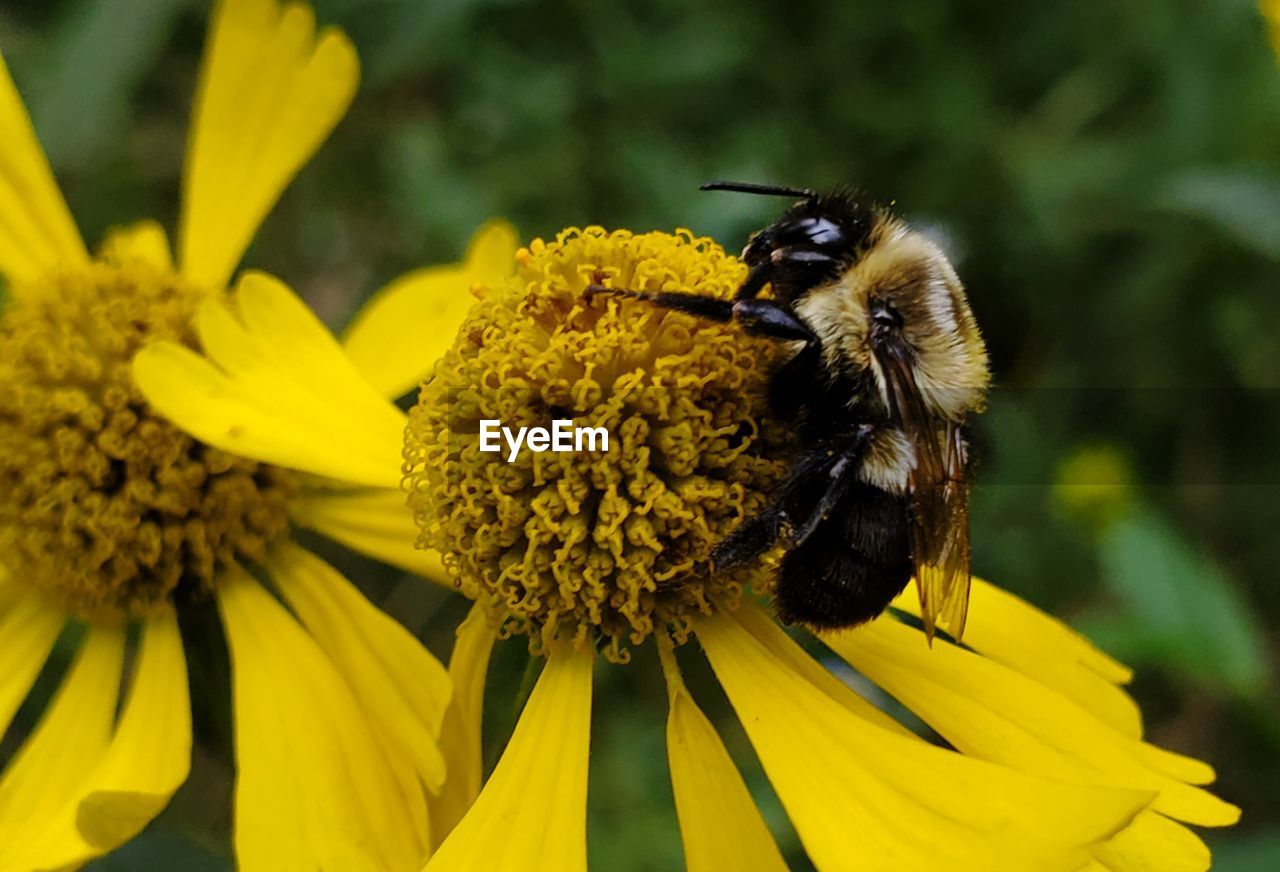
289 336
28 628
275 387
1017 634
36 230
150 753
460 739
532 813
315 788
408 325
862 797
461 736
1176 765
373 522
1153 843
40 789
201 399
401 686
785 649
719 822
991 712
270 92
144 241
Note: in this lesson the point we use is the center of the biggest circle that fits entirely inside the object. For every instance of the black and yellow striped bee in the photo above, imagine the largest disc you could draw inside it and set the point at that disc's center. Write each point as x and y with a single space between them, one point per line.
887 362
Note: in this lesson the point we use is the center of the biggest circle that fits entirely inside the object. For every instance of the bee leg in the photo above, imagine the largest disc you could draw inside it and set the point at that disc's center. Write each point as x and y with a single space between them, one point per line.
758 317
694 304
841 477
757 277
756 536
769 318
760 533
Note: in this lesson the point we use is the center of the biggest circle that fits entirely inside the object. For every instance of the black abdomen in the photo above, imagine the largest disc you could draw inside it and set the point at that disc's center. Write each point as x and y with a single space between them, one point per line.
852 566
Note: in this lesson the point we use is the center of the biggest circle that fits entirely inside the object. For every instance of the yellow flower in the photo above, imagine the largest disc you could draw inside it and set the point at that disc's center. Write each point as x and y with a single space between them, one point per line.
1095 483
608 552
112 519
1271 12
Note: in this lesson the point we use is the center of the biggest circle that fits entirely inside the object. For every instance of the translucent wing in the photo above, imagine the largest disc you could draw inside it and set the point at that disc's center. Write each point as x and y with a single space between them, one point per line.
940 539
939 498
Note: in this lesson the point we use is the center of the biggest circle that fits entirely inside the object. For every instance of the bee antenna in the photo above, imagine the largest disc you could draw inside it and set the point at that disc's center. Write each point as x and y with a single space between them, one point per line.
753 188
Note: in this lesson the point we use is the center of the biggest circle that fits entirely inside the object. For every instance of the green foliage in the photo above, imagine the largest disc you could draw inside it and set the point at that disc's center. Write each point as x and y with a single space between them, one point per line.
1251 853
1177 609
80 100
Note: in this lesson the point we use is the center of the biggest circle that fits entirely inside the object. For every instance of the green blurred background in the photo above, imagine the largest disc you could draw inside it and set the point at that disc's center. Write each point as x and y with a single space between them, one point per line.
1107 177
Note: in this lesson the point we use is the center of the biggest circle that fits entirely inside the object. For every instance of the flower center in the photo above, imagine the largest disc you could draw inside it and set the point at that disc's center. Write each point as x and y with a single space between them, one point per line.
587 546
103 505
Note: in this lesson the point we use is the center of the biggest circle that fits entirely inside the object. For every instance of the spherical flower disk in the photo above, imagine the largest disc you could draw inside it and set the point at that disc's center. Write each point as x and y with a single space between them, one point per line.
603 547
107 507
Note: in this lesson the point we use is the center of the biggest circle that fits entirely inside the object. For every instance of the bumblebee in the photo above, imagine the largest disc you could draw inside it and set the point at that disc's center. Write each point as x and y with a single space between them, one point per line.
886 363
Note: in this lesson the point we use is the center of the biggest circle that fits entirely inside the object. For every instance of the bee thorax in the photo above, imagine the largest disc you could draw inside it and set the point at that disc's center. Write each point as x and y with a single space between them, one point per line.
889 460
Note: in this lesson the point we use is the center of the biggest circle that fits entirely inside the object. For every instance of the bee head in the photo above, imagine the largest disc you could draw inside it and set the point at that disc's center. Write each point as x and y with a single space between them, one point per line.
896 317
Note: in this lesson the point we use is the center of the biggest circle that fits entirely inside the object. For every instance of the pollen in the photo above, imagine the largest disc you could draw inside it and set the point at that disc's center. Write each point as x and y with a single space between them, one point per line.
603 548
106 507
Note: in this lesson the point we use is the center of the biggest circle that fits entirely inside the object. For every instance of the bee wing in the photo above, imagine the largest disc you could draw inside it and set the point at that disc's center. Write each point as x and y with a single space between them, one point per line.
939 498
940 531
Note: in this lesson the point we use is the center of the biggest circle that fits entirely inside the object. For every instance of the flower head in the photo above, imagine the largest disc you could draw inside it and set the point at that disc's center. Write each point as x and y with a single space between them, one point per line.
1046 767
104 505
113 517
610 547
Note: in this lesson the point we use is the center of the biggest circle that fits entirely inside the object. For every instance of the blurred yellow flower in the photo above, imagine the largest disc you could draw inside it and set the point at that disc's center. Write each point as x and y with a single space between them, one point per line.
1271 12
1095 482
604 553
111 518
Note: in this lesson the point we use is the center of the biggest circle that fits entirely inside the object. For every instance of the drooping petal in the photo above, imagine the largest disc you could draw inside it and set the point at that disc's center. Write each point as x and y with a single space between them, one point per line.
991 712
271 90
315 789
862 797
784 648
28 628
1017 634
275 387
150 753
40 789
145 241
461 739
36 230
719 822
373 522
402 687
532 812
410 323
1153 843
